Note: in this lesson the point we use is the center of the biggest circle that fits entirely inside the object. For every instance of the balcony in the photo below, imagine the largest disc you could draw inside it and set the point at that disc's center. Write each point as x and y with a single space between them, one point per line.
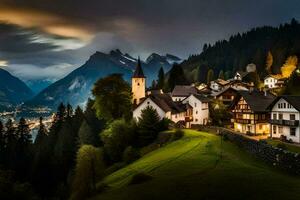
243 121
188 118
283 122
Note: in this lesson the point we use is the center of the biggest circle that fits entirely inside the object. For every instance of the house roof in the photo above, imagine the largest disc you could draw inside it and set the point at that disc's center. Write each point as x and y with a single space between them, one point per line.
165 102
225 90
276 76
184 90
257 100
202 98
221 82
242 73
293 100
138 73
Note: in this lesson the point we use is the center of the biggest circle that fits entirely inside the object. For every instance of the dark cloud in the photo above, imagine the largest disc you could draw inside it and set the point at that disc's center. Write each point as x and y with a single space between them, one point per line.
139 27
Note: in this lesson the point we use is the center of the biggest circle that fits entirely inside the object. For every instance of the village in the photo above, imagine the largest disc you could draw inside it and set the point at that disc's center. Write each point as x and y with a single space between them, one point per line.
257 113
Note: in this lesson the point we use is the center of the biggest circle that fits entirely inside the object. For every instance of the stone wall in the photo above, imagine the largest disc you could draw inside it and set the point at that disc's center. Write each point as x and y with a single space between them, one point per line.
274 156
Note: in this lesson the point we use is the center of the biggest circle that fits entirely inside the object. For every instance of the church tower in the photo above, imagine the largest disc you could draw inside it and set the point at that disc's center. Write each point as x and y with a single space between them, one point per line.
138 81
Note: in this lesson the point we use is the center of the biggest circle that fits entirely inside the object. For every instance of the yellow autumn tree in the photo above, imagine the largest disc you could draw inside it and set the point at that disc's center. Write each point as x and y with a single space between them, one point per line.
269 62
289 67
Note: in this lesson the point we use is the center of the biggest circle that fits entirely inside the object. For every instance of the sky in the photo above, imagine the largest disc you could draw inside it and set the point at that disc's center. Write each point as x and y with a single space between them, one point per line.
47 39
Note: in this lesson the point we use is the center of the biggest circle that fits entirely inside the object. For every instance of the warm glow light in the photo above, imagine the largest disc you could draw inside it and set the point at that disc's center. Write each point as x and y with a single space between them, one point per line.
3 63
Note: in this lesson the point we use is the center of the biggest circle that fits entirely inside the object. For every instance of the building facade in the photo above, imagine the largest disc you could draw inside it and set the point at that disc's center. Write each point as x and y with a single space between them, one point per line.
250 112
285 116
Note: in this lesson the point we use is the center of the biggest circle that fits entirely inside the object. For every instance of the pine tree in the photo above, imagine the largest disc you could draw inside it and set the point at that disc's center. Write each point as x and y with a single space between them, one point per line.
210 76
221 75
176 77
148 124
87 136
161 79
42 133
23 132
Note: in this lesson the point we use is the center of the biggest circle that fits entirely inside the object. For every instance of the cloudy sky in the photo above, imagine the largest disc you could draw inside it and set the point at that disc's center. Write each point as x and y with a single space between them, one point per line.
46 39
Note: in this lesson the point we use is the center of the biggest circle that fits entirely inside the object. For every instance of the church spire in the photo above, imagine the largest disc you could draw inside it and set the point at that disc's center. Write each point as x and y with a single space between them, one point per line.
138 73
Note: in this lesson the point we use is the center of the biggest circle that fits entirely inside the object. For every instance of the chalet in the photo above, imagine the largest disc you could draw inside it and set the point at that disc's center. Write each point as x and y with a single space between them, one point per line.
181 92
274 81
164 106
218 84
227 95
285 116
199 109
250 112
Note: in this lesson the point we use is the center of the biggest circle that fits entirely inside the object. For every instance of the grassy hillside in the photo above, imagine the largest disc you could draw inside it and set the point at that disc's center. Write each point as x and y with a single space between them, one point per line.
191 168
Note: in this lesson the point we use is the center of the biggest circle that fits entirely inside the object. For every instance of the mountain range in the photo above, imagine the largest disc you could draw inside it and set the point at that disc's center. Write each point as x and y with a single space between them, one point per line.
76 87
13 91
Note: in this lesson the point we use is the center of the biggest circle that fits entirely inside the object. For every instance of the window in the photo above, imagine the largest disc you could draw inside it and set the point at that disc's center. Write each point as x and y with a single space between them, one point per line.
284 105
278 105
274 130
260 126
275 116
292 117
195 104
196 120
280 116
280 129
196 112
263 117
292 131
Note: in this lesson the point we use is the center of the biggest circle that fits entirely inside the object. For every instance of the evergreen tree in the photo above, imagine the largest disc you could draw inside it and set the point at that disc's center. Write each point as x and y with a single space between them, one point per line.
148 124
23 132
90 116
69 111
161 79
11 144
222 75
42 133
176 77
210 76
87 136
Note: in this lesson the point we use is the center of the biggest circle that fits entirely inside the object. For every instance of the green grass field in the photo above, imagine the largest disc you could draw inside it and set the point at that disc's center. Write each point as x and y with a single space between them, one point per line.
191 168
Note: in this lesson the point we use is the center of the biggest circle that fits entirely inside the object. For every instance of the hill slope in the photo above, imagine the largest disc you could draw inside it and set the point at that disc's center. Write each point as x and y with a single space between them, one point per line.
12 90
191 169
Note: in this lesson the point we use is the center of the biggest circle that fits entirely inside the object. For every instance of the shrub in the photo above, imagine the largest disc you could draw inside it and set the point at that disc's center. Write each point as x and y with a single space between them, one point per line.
116 138
225 137
178 134
130 154
140 178
282 146
147 149
163 137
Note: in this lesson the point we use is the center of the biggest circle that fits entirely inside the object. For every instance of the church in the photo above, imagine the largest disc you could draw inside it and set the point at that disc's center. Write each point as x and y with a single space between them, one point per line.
192 109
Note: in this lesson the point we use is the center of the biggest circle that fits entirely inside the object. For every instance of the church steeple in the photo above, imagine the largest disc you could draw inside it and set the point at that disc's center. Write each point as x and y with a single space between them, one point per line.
138 81
138 73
